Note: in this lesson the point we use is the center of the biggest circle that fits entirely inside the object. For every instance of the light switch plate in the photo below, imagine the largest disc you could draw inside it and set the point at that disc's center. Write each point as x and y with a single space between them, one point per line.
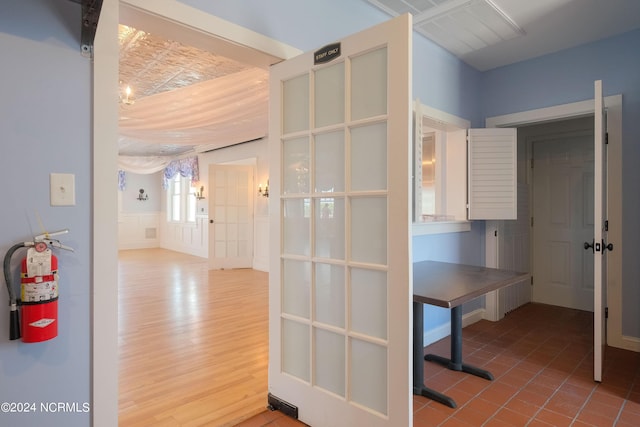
63 189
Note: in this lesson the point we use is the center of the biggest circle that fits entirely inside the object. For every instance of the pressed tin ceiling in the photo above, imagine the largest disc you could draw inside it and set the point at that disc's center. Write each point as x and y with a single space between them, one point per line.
150 65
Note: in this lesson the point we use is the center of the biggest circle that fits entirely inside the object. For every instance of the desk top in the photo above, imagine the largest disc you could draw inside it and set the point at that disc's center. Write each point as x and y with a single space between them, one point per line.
449 285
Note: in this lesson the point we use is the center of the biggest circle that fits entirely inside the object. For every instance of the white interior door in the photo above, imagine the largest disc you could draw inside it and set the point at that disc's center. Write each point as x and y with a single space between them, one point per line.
600 234
230 216
340 213
563 200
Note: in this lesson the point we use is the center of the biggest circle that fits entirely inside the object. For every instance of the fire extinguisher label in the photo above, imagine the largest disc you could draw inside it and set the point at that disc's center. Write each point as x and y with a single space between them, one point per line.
38 263
40 291
42 323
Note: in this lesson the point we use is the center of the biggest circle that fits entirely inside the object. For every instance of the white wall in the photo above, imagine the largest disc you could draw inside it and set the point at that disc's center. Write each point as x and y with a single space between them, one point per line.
139 220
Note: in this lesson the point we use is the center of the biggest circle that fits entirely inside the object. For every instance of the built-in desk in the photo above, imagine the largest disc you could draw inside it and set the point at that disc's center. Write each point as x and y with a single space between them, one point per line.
450 285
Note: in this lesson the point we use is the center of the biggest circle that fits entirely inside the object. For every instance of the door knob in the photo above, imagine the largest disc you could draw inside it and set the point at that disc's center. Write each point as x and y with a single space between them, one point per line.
588 245
608 247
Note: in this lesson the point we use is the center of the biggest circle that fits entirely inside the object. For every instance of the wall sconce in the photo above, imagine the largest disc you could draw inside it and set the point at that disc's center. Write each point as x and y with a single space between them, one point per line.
142 196
264 192
200 194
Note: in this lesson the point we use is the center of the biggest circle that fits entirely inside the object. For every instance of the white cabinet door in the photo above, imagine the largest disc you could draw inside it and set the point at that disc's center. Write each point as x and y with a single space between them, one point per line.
492 188
340 282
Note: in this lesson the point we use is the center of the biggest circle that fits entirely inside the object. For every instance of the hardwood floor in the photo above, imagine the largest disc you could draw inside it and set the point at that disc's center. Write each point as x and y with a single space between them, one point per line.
193 343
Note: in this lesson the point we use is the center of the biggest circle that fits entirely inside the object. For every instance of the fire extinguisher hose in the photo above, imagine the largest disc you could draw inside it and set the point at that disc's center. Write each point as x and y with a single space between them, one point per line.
14 320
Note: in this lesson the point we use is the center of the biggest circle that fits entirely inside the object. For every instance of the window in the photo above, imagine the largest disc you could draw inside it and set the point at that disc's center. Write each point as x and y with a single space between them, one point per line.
440 172
181 200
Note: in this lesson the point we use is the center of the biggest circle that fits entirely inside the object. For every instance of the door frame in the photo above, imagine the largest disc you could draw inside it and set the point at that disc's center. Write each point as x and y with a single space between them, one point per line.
613 105
191 26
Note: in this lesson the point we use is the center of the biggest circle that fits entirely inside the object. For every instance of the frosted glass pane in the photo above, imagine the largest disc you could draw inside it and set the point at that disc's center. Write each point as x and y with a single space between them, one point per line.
369 302
295 349
295 164
369 229
295 100
296 226
296 285
329 95
329 224
369 375
369 84
369 157
329 294
329 162
330 361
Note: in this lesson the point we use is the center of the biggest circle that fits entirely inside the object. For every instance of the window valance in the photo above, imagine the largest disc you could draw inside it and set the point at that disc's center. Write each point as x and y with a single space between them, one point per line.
187 167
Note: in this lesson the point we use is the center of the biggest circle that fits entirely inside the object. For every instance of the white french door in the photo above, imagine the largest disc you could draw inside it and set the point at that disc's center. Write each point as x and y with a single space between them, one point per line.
230 216
600 234
340 282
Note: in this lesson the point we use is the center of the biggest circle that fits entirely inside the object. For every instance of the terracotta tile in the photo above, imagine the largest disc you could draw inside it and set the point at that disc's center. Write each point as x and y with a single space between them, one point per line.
517 377
511 417
473 385
596 407
554 418
523 407
629 417
498 393
565 404
596 419
429 416
455 422
493 422
576 391
472 416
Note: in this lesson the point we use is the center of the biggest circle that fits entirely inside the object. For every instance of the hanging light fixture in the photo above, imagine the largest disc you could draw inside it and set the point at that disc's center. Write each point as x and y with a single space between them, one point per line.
126 96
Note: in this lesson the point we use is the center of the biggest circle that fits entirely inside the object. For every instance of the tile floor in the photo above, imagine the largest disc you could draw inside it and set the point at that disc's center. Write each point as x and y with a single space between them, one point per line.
542 359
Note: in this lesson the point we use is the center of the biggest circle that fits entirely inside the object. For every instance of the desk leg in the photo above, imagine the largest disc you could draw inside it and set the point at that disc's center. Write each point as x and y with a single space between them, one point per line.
455 363
418 361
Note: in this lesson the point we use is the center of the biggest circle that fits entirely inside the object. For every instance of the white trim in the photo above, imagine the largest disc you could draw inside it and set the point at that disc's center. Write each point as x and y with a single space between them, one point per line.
439 227
104 227
444 330
630 343
557 112
614 122
183 23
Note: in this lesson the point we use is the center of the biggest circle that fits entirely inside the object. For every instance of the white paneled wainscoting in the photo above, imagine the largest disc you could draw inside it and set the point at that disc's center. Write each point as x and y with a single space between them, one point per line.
189 238
140 230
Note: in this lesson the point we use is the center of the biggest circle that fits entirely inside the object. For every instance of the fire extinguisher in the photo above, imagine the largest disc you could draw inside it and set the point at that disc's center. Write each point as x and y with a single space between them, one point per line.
38 289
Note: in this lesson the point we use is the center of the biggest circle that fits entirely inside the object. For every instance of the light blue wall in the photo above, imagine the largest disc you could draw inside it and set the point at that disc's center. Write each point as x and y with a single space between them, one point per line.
568 76
45 127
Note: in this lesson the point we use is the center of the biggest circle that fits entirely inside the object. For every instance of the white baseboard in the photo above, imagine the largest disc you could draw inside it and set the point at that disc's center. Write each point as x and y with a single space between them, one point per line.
630 343
444 330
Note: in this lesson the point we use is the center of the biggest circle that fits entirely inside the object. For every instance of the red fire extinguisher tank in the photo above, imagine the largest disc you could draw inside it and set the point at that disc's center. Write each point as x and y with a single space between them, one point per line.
39 293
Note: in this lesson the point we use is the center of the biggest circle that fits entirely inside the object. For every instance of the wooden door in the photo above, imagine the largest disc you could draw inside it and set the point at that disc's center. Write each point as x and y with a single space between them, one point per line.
563 197
231 216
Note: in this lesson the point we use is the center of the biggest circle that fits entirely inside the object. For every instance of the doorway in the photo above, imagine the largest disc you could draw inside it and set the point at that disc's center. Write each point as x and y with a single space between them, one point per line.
561 187
613 105
196 26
